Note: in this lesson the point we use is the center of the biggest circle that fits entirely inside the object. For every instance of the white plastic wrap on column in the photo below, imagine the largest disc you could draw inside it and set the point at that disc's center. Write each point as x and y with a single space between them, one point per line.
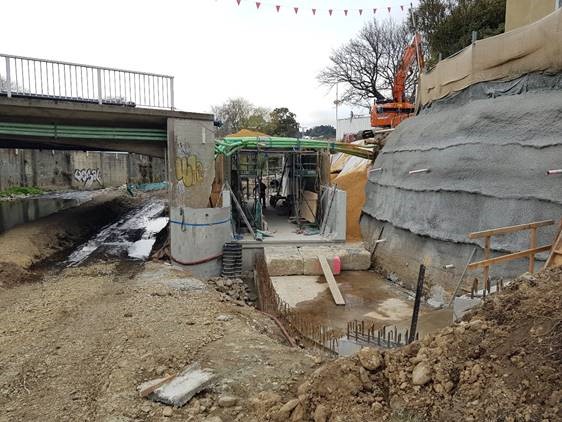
197 238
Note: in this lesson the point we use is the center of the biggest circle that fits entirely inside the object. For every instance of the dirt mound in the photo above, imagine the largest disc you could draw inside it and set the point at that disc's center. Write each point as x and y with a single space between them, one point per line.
12 274
502 363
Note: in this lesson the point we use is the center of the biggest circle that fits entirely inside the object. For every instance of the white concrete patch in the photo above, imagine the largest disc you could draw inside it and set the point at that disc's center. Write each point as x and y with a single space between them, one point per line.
296 289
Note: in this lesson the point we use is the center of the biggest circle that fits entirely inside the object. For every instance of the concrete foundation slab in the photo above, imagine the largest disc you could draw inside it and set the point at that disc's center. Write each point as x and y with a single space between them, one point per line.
283 260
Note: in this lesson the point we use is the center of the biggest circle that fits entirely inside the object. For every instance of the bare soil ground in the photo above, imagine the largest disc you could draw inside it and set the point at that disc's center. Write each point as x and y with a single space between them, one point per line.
76 345
502 363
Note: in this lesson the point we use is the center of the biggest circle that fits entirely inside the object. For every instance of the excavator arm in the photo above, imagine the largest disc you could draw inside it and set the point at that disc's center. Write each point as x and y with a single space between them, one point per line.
412 52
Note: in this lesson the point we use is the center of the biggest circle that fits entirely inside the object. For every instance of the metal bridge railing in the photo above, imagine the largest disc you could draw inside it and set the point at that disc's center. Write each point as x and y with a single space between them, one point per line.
39 78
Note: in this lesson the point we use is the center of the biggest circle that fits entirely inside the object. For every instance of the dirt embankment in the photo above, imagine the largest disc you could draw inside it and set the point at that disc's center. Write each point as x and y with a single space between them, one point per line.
503 363
31 243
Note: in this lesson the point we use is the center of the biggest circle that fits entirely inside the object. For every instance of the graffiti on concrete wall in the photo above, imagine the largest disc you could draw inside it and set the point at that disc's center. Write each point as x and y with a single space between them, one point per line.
88 176
189 169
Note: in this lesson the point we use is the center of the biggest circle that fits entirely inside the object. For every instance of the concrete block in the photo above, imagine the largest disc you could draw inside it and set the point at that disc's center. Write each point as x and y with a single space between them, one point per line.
180 389
283 260
311 264
354 258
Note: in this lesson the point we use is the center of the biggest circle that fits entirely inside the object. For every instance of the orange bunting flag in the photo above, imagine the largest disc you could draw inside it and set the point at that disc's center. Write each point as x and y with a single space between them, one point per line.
314 12
258 4
238 1
389 9
374 11
330 11
360 12
402 7
277 7
345 12
296 9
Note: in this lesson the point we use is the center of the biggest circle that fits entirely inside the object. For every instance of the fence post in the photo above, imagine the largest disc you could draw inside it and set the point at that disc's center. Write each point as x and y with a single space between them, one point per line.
8 78
417 302
474 36
487 267
533 246
172 93
100 97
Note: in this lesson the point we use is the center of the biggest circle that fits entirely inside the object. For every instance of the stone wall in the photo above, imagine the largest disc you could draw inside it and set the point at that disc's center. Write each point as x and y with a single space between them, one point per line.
59 170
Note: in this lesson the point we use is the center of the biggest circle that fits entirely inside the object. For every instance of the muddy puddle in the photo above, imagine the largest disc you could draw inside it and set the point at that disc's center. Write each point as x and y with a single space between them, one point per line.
25 210
132 236
369 297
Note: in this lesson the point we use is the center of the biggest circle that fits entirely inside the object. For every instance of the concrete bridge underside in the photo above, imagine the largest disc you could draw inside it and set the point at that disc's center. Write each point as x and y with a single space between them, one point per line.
32 123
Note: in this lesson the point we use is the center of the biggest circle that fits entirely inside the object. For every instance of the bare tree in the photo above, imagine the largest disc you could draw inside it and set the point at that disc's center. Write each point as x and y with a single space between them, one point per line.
233 114
366 64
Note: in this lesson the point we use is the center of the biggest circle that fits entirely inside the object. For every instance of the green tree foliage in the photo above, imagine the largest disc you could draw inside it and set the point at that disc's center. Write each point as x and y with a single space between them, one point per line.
283 123
322 131
447 25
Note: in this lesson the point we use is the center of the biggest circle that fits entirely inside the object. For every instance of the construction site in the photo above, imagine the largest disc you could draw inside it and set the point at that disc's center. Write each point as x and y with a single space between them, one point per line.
408 270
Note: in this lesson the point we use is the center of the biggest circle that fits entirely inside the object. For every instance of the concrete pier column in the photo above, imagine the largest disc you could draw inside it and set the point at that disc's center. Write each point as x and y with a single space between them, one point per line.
197 232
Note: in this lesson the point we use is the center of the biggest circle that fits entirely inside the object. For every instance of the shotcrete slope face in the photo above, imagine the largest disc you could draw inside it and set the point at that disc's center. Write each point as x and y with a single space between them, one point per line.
487 158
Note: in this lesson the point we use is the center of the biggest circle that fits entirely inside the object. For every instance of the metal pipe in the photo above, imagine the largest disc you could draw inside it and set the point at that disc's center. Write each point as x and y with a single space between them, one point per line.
418 171
551 172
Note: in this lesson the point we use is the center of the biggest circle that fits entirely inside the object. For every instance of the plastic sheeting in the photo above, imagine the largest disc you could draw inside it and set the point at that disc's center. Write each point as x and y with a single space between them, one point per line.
533 48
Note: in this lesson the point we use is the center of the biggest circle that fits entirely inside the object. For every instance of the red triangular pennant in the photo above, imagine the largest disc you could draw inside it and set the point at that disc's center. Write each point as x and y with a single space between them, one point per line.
360 12
238 1
389 9
314 12
374 11
296 9
258 4
402 7
330 11
345 12
277 7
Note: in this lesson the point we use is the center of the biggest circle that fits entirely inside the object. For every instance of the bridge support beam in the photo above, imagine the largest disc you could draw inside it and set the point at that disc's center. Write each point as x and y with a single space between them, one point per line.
197 232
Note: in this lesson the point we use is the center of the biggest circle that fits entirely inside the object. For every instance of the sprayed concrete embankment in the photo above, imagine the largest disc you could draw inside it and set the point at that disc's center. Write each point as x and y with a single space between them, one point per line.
55 170
487 150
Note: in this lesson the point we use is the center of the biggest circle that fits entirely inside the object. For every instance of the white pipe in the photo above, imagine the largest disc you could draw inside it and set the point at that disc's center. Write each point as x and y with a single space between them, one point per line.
449 266
551 172
418 171
380 241
375 169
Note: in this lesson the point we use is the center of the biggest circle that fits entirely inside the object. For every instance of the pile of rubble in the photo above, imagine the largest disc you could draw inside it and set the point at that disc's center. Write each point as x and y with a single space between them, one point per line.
502 362
234 290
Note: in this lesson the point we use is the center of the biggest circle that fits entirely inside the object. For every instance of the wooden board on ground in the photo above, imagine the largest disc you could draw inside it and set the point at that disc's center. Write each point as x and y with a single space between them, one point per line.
334 289
555 257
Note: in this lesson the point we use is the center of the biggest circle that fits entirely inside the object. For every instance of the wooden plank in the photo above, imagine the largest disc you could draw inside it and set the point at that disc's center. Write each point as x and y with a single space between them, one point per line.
334 289
555 257
509 257
510 229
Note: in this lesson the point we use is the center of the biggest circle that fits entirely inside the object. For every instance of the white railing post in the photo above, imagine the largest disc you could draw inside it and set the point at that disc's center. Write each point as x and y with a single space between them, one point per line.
172 93
100 98
8 78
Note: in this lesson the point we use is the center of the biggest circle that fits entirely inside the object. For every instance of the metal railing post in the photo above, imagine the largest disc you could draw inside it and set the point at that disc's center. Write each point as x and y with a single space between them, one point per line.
172 93
8 78
100 98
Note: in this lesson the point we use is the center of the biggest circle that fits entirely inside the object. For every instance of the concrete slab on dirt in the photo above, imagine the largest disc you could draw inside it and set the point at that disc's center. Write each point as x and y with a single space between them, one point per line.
180 389
297 289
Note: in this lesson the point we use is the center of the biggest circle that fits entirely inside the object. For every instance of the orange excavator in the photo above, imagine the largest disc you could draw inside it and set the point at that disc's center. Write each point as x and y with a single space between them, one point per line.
390 113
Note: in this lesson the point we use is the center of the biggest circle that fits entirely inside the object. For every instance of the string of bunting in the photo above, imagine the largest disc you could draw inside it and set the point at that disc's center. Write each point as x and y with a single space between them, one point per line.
315 11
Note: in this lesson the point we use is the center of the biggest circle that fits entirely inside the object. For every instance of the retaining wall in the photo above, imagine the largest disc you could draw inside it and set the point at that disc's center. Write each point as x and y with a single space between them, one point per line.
487 152
59 170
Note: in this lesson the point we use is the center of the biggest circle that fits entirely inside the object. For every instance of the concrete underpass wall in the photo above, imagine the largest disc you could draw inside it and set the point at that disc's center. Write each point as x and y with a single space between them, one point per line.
53 170
488 159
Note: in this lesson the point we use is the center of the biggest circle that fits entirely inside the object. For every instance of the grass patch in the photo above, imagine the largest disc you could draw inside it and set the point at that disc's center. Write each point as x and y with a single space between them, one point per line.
21 190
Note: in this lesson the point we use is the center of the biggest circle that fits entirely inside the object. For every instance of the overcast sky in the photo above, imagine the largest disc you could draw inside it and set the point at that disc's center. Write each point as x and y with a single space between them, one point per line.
215 49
